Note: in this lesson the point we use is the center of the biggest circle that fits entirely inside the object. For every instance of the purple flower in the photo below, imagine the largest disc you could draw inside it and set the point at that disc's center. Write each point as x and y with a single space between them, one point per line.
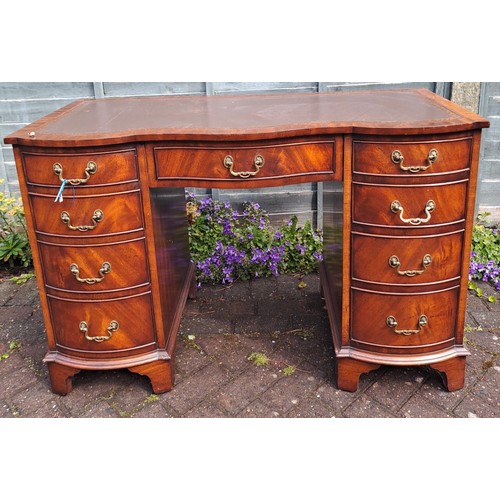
227 228
301 248
205 203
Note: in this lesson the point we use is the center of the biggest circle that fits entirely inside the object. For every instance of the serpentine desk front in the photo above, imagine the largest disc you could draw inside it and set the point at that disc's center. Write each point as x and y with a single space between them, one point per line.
111 256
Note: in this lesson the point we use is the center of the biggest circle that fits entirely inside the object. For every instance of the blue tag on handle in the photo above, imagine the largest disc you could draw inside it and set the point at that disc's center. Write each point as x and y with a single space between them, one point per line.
59 196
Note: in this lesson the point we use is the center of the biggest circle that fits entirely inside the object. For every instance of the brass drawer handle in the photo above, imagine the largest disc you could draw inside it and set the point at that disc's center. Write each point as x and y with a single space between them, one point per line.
105 269
394 262
258 163
392 323
113 327
398 158
97 216
90 169
429 207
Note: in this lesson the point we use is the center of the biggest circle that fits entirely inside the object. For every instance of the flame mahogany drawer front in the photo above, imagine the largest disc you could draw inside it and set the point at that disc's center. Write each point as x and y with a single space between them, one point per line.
81 169
411 206
407 157
400 323
87 216
406 261
113 328
301 158
93 268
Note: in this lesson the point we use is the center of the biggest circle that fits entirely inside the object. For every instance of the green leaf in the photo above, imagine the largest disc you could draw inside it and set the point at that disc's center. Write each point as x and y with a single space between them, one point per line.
258 358
492 298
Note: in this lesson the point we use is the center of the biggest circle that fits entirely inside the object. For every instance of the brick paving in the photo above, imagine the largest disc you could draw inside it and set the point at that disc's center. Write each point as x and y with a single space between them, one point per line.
220 329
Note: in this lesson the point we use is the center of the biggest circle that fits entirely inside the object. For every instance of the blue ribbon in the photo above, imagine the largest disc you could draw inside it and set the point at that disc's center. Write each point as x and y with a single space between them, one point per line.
59 196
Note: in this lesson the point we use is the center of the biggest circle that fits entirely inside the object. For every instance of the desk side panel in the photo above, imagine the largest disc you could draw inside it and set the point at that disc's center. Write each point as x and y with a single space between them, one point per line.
332 269
174 269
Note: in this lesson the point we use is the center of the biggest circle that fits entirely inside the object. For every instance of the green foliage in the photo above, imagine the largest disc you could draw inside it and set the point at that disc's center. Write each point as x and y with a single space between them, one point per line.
190 341
485 240
227 245
13 345
289 370
14 245
22 278
485 254
258 359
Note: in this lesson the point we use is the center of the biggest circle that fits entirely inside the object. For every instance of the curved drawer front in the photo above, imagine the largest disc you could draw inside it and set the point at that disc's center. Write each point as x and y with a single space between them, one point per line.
411 158
265 161
81 169
88 216
406 261
95 268
404 322
409 206
114 327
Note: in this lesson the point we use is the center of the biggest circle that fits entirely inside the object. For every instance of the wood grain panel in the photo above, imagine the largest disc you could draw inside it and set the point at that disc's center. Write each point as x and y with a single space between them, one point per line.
127 261
111 167
133 314
371 255
281 160
372 204
370 312
375 157
122 214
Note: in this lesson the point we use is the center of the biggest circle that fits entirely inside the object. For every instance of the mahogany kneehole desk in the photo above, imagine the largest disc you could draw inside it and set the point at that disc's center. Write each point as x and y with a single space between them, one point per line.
112 258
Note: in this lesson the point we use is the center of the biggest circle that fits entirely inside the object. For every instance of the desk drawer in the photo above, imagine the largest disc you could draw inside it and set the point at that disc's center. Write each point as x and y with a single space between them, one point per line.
88 216
406 261
403 321
411 158
107 327
89 169
236 162
93 268
411 206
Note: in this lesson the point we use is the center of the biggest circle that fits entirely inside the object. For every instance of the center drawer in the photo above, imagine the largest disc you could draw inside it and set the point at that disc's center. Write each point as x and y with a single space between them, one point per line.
258 161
